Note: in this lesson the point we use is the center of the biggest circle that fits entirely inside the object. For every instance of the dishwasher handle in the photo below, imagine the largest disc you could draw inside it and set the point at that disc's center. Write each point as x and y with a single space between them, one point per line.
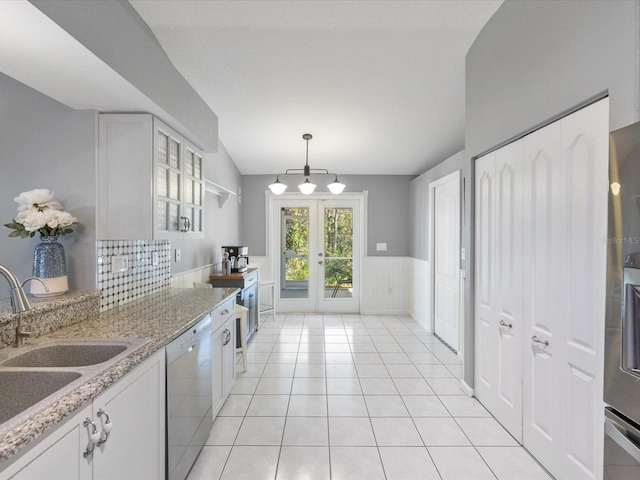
622 433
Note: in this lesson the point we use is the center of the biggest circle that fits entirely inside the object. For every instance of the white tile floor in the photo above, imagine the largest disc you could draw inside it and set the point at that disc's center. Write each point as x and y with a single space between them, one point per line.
347 397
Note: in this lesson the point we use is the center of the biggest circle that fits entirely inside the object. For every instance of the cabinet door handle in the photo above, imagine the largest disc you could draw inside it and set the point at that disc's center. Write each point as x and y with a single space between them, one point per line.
537 340
225 312
227 336
94 436
107 426
186 224
505 324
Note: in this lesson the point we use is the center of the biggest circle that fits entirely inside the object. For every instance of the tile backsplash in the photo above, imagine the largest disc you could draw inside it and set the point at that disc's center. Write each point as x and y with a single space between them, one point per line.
141 278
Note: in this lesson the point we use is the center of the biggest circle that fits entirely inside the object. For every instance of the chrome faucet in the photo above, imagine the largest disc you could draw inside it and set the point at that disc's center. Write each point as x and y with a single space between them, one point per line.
19 300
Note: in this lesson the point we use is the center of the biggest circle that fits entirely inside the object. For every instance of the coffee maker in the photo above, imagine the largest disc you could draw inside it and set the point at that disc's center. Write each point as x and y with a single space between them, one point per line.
238 258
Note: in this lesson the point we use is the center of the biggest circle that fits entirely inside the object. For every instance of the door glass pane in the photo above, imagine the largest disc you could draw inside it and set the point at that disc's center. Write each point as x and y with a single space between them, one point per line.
174 185
295 247
197 167
162 182
338 250
196 193
188 191
163 141
189 163
174 154
162 216
173 217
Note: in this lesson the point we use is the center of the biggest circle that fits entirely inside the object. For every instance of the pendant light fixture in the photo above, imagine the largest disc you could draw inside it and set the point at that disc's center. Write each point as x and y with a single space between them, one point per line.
307 187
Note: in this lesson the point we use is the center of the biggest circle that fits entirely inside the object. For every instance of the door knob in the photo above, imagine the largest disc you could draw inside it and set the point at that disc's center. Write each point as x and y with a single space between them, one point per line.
319 262
320 254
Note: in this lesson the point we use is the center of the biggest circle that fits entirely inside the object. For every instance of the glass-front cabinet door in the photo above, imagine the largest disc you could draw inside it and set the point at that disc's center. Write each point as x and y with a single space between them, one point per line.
179 189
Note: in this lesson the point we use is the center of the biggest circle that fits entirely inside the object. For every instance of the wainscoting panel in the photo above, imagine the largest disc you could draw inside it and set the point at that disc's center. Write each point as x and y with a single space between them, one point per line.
386 285
421 306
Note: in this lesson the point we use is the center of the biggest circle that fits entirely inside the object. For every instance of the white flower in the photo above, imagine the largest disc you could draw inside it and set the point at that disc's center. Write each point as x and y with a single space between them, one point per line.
39 197
58 219
34 220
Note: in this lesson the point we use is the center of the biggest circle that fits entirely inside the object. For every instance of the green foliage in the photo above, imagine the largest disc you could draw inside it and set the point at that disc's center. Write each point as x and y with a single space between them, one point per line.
338 244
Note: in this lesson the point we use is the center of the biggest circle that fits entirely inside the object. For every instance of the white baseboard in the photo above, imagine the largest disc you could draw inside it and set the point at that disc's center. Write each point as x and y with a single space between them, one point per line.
468 391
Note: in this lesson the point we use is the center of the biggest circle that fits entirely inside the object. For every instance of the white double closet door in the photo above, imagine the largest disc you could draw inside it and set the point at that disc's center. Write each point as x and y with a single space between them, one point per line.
541 213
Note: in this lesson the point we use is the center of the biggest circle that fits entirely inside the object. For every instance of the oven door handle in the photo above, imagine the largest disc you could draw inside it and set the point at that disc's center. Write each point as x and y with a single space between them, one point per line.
615 429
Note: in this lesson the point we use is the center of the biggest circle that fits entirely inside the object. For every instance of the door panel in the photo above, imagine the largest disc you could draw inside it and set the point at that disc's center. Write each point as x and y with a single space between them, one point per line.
338 256
585 153
543 257
486 360
447 261
499 281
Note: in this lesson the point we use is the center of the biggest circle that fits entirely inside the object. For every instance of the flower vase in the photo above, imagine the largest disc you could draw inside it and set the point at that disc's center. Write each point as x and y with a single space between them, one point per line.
49 265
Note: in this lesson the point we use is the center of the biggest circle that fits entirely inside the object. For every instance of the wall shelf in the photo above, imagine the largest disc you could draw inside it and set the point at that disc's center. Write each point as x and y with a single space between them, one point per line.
222 193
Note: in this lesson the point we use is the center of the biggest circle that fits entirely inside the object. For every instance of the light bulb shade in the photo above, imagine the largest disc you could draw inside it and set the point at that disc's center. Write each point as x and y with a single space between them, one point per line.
277 187
307 187
336 187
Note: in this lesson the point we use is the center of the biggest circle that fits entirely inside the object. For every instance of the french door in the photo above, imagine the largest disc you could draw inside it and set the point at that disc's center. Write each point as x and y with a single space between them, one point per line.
316 254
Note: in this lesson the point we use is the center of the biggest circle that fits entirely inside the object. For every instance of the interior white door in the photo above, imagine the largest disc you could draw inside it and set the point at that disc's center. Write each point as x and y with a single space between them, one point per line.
446 285
564 284
584 146
543 299
318 254
499 285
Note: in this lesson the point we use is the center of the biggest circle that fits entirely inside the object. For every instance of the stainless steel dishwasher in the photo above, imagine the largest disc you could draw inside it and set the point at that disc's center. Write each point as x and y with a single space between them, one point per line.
189 397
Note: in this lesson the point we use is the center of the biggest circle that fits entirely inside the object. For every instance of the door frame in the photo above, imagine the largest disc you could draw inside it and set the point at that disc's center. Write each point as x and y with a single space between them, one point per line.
273 234
453 176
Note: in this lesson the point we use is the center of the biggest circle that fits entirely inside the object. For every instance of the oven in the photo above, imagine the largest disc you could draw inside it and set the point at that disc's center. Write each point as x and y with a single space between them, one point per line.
189 397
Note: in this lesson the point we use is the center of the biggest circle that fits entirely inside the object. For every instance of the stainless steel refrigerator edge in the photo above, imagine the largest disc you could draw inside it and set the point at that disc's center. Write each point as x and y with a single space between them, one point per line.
622 325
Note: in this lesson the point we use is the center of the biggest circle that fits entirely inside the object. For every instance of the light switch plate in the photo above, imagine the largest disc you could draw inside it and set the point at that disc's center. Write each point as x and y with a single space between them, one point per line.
178 255
154 258
381 247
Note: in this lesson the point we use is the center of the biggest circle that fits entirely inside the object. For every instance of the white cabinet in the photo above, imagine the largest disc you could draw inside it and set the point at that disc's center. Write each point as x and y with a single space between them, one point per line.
136 407
150 180
58 456
541 225
134 448
223 352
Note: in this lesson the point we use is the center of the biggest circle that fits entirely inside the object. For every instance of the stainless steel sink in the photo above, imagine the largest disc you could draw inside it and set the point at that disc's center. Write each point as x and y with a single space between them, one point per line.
74 355
22 389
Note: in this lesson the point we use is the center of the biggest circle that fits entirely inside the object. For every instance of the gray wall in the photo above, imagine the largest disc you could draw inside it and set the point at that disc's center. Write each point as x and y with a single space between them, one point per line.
532 61
115 33
222 224
47 145
388 210
419 194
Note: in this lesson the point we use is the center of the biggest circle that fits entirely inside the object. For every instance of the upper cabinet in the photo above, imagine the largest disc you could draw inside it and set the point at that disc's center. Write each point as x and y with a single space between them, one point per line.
150 180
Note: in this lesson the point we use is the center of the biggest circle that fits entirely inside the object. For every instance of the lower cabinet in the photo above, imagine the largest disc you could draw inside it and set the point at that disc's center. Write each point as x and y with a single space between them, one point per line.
224 356
132 410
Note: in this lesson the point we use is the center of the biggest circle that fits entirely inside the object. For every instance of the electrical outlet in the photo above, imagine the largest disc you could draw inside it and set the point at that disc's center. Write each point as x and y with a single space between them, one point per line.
154 258
119 263
381 247
178 255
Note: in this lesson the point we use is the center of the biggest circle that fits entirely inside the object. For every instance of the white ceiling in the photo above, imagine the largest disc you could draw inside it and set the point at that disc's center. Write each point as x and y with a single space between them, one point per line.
379 84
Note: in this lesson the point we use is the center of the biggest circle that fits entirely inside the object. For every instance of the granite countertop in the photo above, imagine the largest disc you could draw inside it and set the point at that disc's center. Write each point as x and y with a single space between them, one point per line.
158 318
